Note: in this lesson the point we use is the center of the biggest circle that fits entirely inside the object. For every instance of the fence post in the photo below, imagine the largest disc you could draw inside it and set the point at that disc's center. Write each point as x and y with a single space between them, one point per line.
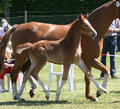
25 16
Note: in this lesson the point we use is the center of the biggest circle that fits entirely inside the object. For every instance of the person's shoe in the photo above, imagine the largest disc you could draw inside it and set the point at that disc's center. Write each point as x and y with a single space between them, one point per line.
114 76
2 90
101 78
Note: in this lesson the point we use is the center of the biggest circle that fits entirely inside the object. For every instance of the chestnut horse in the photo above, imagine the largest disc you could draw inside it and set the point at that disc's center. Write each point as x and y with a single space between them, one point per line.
100 19
65 51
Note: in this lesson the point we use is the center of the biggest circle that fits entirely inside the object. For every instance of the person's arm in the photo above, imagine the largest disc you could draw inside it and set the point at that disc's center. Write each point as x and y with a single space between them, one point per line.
116 30
113 29
117 25
8 65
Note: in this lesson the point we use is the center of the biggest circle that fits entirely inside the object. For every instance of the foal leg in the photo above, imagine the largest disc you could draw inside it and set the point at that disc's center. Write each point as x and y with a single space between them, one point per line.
33 86
36 66
35 72
31 80
25 78
64 79
98 65
45 88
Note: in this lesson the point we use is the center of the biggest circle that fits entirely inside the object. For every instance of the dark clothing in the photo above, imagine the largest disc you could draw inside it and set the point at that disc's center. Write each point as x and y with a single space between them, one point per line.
109 45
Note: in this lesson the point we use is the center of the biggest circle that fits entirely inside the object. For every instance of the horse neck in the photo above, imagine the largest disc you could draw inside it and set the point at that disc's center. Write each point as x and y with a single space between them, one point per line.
73 36
101 19
72 22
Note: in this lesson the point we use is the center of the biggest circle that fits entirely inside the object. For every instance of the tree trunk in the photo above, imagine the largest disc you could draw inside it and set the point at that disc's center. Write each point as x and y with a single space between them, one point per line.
5 7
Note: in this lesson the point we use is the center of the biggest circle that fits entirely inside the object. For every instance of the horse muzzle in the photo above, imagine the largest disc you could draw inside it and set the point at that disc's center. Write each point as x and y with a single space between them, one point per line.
94 34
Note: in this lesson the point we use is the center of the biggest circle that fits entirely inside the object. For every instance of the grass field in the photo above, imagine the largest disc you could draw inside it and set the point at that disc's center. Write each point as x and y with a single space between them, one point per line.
68 100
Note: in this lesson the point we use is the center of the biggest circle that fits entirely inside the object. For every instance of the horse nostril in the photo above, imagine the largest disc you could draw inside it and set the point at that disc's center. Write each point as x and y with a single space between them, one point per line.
94 34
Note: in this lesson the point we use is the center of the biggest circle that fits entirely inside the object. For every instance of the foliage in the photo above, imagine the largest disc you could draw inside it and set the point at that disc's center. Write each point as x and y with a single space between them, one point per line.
54 5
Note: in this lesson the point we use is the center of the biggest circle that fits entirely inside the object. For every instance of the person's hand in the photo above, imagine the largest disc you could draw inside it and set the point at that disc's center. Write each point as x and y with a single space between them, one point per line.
111 30
8 65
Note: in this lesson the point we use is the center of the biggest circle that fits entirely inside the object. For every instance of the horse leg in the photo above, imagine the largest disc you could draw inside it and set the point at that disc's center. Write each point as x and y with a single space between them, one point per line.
33 86
45 88
14 74
87 94
36 66
35 72
98 65
31 80
83 67
64 79
25 78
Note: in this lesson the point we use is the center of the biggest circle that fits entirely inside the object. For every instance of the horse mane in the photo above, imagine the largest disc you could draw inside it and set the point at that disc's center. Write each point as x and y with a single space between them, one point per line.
104 5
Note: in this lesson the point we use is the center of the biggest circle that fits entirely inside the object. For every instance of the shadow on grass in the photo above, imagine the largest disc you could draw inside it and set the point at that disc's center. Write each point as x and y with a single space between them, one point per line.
116 102
114 91
109 78
32 103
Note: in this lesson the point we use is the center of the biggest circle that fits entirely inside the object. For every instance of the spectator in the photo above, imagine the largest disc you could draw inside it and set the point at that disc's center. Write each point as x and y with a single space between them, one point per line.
5 25
8 69
110 45
1 32
8 66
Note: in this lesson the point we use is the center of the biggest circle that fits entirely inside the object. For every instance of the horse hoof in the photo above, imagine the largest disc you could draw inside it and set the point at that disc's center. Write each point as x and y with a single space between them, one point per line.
47 97
20 99
31 93
56 101
95 100
106 91
98 93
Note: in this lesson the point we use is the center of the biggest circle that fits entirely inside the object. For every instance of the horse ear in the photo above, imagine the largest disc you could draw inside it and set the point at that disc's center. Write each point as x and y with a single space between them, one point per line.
81 17
86 15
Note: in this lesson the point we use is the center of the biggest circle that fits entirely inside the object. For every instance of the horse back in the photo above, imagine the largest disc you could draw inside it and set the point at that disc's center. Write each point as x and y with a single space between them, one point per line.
34 31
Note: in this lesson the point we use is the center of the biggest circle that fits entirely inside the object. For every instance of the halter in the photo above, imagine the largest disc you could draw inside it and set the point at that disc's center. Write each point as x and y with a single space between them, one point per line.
118 6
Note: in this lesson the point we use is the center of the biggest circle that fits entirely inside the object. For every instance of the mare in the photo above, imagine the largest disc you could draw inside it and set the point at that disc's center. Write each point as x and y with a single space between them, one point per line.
65 51
8 54
100 19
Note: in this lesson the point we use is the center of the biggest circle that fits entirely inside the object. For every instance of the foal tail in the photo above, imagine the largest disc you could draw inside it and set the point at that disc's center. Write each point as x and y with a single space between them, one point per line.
23 47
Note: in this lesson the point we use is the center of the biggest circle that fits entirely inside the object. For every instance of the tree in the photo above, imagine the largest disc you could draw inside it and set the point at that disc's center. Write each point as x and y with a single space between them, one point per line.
5 8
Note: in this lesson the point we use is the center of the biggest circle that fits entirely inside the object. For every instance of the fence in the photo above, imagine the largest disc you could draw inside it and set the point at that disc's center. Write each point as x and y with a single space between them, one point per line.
45 18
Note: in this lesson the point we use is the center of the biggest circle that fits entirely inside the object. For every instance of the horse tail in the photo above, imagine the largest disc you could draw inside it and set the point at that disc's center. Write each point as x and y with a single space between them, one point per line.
11 30
23 47
6 37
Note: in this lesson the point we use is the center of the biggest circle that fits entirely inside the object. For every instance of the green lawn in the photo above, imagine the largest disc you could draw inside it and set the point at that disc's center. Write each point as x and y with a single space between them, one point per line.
68 100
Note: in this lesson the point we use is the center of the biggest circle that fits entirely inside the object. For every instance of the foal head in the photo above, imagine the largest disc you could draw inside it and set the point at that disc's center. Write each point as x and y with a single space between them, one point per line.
86 27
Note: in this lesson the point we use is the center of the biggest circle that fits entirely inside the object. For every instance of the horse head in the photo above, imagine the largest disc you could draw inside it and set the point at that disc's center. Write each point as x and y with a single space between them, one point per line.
86 27
116 7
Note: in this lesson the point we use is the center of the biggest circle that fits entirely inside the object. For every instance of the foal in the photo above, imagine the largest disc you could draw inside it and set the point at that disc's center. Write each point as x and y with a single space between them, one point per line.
65 51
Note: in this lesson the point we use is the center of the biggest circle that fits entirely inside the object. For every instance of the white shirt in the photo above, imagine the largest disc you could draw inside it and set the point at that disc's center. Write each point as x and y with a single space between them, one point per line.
115 25
1 32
